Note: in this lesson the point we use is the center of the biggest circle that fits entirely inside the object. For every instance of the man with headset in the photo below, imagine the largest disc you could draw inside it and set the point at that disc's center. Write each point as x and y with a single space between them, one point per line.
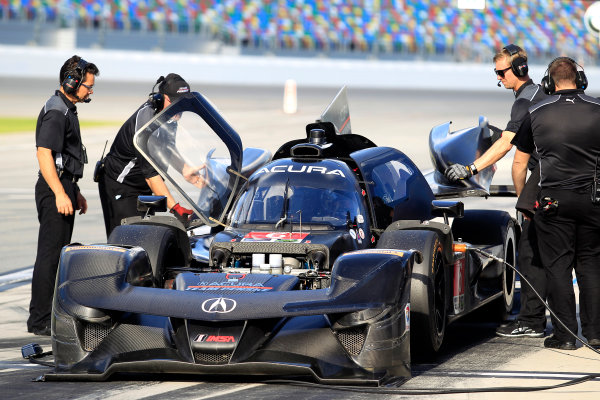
127 174
564 131
512 71
61 157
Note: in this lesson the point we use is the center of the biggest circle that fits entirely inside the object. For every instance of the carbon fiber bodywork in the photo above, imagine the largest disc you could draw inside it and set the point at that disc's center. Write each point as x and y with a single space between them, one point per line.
356 330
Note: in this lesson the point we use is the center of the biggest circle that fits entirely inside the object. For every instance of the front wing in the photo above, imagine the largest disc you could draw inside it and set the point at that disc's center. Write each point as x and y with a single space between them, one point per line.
106 321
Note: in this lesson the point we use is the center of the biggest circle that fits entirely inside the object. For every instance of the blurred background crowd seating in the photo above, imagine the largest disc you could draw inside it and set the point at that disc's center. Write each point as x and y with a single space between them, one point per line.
399 29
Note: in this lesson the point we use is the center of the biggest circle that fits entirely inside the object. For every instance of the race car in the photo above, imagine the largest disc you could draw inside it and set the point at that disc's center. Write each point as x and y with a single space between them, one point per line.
332 259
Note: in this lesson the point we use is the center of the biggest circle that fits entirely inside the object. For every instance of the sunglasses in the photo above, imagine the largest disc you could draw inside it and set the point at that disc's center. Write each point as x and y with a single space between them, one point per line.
500 72
87 87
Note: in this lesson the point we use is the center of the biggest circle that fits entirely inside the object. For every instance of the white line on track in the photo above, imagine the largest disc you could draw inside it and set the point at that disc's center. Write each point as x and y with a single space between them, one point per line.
228 391
141 391
512 374
15 277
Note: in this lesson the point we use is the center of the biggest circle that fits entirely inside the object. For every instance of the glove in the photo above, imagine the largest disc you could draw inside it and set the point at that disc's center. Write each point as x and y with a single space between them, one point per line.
457 172
182 214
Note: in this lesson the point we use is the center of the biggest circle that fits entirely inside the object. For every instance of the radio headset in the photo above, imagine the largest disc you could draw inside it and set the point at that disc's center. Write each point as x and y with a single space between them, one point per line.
548 84
73 79
157 99
518 65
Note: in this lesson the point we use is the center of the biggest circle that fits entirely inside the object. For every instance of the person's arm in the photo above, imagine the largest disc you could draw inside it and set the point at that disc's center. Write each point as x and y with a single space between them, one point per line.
519 170
523 140
159 188
48 170
496 151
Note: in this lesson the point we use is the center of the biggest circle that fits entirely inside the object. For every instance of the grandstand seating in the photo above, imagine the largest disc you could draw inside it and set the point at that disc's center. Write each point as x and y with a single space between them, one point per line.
544 27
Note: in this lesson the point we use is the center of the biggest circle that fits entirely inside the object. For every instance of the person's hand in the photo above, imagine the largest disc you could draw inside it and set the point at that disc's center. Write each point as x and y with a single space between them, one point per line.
457 172
182 214
193 175
81 203
63 204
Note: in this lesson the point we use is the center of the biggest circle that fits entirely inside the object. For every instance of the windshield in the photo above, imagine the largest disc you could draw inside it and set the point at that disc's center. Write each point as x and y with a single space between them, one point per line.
314 198
193 147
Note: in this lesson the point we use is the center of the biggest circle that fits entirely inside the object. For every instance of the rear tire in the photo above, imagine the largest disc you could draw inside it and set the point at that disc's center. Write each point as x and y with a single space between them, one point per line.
490 228
429 288
507 301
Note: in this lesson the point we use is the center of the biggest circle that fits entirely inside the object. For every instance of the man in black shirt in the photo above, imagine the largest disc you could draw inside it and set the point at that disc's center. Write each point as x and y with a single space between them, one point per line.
563 130
61 156
512 71
127 174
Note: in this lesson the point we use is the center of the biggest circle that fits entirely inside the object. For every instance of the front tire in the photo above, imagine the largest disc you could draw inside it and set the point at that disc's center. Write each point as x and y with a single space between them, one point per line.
429 288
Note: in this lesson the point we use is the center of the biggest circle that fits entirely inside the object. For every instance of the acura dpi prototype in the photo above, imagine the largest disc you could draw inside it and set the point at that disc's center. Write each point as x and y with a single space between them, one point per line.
332 259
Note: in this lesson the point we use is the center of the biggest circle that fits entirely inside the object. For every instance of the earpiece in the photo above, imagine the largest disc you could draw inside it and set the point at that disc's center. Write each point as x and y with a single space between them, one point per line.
157 100
519 64
73 78
548 84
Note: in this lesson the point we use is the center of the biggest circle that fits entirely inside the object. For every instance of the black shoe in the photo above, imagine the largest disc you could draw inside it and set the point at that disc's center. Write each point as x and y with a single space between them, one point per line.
595 343
517 329
554 343
45 331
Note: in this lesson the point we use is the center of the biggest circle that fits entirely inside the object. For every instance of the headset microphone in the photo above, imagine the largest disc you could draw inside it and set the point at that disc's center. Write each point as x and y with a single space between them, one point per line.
498 83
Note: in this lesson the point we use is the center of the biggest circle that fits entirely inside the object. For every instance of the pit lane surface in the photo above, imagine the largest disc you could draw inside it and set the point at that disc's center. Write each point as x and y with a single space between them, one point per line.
471 357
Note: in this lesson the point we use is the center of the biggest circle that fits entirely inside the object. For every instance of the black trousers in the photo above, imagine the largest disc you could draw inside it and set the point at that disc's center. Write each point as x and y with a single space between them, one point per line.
118 201
571 233
533 310
55 233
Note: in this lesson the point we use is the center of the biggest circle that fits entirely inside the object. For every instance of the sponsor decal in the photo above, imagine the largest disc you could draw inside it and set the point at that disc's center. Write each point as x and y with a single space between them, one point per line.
302 169
361 233
103 248
219 305
232 284
204 288
352 233
360 219
183 89
234 277
214 338
287 237
407 317
380 251
458 296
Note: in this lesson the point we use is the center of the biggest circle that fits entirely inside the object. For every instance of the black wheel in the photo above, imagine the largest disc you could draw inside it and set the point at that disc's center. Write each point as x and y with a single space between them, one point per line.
492 228
429 288
159 242
507 301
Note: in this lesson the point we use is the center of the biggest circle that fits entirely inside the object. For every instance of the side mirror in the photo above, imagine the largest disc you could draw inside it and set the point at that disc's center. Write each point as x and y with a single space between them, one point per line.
442 208
151 204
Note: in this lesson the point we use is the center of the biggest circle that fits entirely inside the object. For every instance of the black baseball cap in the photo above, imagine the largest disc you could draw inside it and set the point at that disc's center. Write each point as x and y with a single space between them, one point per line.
174 86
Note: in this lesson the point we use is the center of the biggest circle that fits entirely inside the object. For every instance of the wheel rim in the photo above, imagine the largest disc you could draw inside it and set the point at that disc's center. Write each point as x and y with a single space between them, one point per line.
508 281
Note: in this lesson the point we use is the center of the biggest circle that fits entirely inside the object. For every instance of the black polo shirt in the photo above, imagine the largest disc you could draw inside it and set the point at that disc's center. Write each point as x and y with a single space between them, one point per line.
124 163
57 129
527 95
564 131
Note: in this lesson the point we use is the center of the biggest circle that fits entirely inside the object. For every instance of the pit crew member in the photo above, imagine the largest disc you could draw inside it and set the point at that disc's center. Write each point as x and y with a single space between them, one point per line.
563 130
512 71
127 174
61 157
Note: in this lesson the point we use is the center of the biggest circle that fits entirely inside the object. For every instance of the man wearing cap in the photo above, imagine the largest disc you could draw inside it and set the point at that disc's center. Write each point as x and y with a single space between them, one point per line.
126 173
